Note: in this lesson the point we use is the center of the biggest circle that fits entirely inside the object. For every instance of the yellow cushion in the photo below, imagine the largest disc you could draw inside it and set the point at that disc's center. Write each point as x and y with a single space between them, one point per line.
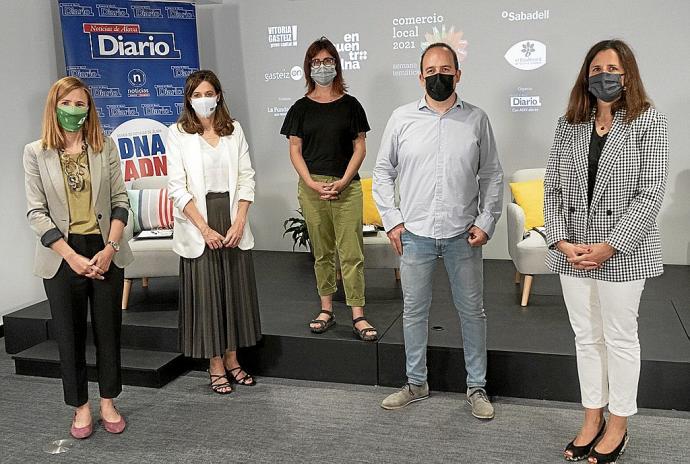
530 196
370 215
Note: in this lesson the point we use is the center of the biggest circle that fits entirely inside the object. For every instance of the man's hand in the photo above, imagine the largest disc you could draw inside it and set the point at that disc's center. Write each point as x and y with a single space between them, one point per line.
477 237
394 236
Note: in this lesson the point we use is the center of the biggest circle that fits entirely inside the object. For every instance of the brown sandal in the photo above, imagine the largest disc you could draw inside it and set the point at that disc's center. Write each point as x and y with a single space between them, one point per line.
365 334
323 325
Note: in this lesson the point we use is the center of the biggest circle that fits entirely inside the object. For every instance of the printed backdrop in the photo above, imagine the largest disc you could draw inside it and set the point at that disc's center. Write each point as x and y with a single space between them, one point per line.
135 57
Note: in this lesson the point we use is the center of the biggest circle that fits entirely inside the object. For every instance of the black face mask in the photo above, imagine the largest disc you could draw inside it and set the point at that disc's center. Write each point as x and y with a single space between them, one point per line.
440 86
606 86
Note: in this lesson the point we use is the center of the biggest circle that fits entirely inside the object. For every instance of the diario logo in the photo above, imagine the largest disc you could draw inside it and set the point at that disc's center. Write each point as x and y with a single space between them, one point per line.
126 41
527 55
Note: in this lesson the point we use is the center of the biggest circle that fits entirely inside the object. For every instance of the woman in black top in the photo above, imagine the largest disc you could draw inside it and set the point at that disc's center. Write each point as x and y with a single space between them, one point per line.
326 130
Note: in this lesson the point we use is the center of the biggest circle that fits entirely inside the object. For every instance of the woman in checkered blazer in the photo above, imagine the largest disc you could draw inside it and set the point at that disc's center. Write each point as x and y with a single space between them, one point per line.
604 185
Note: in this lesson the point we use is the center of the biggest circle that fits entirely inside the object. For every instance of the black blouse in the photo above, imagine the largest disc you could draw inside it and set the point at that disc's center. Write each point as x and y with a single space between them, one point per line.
596 146
327 131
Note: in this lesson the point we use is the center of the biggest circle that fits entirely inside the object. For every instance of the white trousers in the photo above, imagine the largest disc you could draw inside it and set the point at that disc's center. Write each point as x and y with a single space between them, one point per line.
604 318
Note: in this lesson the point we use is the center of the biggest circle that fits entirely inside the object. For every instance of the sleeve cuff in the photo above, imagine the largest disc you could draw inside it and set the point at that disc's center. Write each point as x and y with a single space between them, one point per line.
392 219
50 237
181 201
486 224
245 194
120 213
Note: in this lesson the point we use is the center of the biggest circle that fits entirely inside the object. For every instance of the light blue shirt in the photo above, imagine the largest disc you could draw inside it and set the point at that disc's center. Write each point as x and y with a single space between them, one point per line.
448 172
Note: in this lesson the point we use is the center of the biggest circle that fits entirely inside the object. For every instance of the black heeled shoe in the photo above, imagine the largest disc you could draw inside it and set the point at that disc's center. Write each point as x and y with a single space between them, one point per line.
613 456
582 452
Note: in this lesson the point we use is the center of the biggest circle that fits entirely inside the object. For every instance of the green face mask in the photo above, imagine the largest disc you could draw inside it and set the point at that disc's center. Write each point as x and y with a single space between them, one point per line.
71 118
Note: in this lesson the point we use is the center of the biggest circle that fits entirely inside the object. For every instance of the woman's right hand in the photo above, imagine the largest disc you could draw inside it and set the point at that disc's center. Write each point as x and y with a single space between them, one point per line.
82 266
573 250
212 238
324 189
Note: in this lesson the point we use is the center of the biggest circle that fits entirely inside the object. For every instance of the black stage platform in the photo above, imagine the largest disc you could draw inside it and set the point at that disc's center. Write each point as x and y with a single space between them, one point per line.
531 350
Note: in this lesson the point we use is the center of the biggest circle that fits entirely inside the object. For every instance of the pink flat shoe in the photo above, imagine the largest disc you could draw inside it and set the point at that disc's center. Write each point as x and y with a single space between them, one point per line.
114 427
81 433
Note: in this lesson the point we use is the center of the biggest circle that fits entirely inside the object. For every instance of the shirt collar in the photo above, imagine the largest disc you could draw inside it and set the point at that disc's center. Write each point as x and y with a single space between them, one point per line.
423 104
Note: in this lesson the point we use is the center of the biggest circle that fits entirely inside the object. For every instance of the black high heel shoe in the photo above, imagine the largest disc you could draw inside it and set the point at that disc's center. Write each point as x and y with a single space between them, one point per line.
582 452
613 456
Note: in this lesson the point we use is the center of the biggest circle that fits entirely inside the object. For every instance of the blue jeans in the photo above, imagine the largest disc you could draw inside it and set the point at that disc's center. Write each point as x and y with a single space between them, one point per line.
465 272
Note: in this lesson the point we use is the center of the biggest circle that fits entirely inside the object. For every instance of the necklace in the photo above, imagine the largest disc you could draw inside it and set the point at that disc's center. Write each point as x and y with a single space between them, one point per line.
74 168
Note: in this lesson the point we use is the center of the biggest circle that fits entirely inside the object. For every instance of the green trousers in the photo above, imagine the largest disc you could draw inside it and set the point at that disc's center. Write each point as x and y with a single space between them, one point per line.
335 226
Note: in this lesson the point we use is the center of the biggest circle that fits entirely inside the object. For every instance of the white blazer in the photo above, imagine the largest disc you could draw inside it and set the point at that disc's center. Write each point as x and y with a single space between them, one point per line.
186 183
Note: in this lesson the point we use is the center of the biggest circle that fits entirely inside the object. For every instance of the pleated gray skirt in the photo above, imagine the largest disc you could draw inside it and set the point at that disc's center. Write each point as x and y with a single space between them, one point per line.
219 308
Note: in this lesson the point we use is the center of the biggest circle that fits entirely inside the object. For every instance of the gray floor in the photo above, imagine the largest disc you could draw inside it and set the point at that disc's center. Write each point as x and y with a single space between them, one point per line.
293 421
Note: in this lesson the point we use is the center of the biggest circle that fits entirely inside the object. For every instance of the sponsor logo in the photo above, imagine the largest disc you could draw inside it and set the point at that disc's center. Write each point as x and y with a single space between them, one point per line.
179 12
146 11
136 77
169 90
281 109
82 72
182 72
154 109
75 9
99 112
138 92
112 11
537 15
179 107
126 41
527 55
122 111
103 91
142 148
351 54
524 101
295 73
282 36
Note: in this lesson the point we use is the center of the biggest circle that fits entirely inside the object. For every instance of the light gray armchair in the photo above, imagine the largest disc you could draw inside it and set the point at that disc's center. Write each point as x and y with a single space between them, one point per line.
152 258
527 250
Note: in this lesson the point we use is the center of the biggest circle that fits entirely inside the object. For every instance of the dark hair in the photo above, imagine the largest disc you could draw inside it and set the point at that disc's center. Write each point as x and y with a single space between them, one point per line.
634 99
189 122
439 45
324 44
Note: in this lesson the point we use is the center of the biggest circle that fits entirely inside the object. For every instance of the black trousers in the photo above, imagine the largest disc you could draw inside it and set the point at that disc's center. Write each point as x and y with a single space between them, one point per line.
69 296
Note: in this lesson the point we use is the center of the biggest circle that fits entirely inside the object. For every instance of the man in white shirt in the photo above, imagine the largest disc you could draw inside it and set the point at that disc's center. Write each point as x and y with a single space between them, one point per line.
443 154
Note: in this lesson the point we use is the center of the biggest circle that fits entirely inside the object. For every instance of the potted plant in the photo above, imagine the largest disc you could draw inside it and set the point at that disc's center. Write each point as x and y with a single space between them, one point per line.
297 226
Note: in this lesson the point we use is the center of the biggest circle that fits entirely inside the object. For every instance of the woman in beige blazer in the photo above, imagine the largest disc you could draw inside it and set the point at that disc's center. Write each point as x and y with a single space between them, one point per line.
211 184
77 206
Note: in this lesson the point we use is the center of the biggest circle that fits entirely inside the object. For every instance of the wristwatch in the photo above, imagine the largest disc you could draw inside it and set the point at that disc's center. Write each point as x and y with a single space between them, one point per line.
115 245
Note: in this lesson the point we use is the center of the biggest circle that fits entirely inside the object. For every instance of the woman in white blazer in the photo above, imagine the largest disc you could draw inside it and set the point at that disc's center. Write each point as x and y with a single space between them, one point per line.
604 185
211 184
77 206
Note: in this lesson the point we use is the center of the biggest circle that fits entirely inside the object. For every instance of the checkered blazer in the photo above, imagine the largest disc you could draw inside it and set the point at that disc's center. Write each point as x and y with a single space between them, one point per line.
628 191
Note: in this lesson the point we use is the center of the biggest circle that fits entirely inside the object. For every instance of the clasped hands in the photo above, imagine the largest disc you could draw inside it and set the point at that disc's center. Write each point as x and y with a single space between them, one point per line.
95 267
586 257
216 241
328 190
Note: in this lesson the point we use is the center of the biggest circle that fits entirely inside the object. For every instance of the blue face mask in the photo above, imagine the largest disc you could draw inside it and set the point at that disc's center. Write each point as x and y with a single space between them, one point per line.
606 86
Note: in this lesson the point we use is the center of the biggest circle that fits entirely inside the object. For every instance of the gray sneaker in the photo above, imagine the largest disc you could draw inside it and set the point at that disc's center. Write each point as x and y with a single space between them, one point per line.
407 394
481 406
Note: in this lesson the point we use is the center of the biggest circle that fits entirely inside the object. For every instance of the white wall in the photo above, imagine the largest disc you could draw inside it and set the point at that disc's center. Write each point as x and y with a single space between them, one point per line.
30 66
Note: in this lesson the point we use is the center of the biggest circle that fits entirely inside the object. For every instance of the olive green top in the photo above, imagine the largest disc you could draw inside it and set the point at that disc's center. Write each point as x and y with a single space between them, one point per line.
82 219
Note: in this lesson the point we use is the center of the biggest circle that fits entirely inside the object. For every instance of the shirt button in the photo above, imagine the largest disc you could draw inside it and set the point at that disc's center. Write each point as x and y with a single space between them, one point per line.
609 212
100 216
571 209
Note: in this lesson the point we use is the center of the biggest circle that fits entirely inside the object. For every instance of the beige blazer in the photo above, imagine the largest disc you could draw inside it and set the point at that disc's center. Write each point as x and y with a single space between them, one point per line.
186 183
47 206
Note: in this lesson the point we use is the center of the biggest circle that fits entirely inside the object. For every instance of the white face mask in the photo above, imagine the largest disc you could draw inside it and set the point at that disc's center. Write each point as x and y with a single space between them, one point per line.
204 106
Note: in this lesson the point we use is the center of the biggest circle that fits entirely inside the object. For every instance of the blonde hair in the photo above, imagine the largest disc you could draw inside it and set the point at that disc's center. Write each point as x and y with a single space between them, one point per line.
52 135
